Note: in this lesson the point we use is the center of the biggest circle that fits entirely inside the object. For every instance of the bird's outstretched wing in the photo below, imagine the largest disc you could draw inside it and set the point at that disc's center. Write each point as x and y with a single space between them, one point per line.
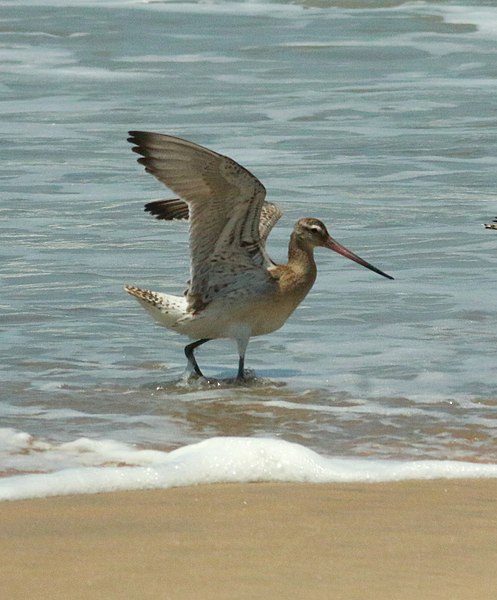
224 201
491 225
170 210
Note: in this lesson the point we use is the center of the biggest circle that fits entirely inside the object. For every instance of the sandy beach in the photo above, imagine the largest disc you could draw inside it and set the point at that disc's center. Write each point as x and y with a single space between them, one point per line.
404 541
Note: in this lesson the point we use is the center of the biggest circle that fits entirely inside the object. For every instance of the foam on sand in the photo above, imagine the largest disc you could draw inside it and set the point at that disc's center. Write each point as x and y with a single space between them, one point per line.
216 460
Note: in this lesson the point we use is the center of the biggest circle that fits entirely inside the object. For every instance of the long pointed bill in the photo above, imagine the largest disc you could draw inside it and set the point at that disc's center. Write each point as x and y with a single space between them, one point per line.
334 245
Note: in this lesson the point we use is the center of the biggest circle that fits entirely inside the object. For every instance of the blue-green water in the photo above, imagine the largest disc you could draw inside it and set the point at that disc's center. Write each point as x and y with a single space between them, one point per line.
378 119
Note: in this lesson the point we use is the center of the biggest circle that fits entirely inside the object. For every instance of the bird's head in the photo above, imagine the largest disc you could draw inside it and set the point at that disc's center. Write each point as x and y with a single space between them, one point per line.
312 233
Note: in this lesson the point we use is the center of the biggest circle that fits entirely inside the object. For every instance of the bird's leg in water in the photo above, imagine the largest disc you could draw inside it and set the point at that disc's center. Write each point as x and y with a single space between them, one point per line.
191 358
242 343
241 371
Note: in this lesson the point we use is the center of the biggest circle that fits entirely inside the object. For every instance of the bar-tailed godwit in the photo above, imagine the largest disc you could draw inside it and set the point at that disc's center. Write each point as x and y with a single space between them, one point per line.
235 290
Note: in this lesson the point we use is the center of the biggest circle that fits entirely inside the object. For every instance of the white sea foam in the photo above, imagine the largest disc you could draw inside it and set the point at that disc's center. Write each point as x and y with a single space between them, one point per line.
216 460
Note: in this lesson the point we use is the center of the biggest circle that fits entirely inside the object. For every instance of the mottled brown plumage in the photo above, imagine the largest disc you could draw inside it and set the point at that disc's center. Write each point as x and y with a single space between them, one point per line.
236 291
176 209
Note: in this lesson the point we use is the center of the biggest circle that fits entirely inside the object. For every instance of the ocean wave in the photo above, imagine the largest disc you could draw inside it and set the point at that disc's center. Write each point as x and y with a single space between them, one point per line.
215 460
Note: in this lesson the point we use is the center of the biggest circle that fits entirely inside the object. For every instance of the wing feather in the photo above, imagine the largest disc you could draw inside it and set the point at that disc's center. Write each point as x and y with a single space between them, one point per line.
168 210
224 204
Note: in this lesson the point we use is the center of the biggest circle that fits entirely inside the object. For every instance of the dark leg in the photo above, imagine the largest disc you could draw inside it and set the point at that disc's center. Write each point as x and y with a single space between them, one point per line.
191 358
241 370
242 347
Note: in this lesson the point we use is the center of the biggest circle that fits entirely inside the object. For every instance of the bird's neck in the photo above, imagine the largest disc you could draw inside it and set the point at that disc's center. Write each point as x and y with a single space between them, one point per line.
301 260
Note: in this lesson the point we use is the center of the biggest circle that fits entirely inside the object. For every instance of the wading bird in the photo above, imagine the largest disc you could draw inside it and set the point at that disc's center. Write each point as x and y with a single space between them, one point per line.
235 290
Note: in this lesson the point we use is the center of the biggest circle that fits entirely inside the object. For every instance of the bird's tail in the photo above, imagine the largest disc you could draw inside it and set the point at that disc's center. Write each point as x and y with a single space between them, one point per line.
164 308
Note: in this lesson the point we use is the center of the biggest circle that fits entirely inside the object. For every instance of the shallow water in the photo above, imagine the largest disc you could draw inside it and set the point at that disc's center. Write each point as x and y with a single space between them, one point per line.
377 118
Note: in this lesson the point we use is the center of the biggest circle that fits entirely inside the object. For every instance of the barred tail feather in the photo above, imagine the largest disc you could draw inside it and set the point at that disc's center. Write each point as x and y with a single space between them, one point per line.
164 308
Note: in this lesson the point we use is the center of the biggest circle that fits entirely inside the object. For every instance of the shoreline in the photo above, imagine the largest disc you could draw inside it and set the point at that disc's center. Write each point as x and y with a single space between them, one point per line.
408 540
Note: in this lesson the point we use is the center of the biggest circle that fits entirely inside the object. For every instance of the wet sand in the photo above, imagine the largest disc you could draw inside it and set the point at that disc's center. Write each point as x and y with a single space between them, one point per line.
432 540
